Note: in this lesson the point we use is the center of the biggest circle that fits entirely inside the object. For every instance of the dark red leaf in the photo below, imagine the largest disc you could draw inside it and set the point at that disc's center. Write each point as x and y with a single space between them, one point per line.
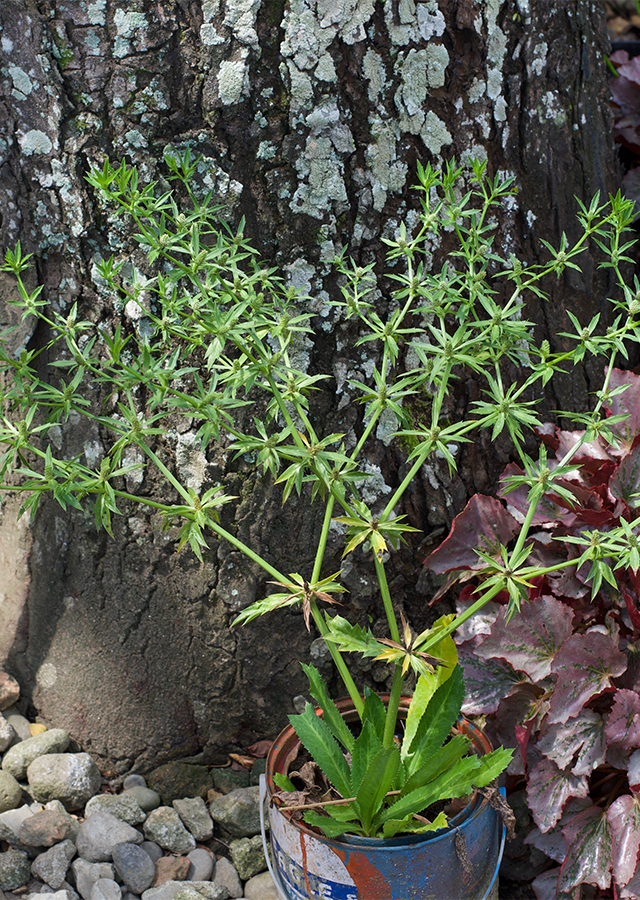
477 626
483 524
629 401
516 716
589 850
630 70
553 843
563 441
531 639
624 819
486 681
546 887
625 482
578 744
633 771
585 665
632 608
623 725
548 790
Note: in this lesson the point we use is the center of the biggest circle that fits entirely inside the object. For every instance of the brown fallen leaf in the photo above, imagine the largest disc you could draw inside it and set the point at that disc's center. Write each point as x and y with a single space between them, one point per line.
245 761
260 748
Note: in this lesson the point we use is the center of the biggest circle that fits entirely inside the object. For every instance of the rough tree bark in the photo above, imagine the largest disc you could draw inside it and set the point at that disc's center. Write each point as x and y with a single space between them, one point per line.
309 116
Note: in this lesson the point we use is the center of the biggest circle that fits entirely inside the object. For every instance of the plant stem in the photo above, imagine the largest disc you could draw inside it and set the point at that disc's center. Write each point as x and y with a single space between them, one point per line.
392 709
336 656
386 599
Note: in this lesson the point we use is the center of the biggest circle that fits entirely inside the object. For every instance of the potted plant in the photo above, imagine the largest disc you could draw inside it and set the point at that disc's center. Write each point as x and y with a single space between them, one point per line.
216 340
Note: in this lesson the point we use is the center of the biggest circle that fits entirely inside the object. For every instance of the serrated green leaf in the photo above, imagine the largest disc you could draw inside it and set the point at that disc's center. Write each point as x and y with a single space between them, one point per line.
316 736
378 779
331 715
436 723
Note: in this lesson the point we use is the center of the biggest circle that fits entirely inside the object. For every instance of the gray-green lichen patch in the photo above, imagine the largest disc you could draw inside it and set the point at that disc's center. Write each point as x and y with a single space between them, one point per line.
496 52
96 12
22 84
387 173
190 461
35 142
127 25
408 22
233 79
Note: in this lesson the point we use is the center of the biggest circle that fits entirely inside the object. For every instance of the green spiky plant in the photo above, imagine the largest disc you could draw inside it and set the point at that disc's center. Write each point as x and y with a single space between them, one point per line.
217 335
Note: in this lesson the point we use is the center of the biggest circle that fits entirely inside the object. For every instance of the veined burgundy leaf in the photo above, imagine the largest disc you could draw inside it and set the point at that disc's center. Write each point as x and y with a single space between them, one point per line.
625 94
563 441
633 771
548 790
553 843
618 757
546 887
628 132
624 820
483 524
530 641
625 482
623 725
578 744
632 607
630 70
479 624
585 665
486 681
589 850
517 714
631 891
627 403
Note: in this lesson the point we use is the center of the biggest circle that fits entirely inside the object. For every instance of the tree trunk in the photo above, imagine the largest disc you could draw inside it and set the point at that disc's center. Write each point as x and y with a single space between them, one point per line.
309 116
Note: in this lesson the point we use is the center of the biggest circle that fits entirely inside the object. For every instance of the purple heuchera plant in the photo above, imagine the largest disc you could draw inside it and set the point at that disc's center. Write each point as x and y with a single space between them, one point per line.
560 681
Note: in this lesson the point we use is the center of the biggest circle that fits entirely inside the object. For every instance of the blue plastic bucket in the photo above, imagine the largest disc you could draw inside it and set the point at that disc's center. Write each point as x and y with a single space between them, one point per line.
459 862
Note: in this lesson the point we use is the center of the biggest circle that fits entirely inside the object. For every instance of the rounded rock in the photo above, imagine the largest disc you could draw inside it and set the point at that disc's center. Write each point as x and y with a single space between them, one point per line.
195 817
261 887
119 805
86 874
201 865
71 778
18 758
225 876
134 866
15 870
52 865
247 856
10 792
100 833
154 850
7 734
146 799
165 827
45 828
238 812
19 723
133 780
9 690
105 889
